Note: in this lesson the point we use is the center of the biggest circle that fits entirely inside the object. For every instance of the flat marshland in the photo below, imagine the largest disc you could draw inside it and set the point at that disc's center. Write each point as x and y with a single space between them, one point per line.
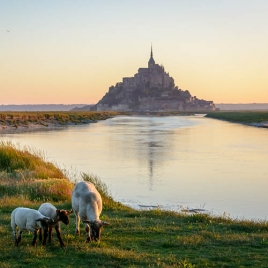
30 121
254 118
151 238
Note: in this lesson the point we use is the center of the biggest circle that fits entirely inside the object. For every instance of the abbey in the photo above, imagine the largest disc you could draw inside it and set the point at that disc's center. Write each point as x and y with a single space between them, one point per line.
151 89
152 77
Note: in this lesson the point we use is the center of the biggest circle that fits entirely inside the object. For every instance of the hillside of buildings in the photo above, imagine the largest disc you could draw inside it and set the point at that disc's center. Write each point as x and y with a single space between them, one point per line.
151 89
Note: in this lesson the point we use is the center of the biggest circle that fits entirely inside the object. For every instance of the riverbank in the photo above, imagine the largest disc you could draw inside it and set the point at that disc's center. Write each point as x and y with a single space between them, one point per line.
151 238
250 118
16 122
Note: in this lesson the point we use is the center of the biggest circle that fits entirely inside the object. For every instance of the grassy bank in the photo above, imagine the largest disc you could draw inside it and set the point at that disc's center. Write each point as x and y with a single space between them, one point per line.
244 117
26 120
152 238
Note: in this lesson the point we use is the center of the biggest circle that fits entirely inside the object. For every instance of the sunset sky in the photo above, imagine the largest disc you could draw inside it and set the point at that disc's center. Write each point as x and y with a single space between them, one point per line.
67 52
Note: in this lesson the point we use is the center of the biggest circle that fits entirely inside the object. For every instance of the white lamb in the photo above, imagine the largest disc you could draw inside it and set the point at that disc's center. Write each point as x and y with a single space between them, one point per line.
28 219
87 205
57 215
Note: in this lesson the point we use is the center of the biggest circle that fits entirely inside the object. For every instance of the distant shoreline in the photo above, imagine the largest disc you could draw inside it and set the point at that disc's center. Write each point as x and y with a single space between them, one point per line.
21 122
249 118
86 107
242 106
32 127
18 122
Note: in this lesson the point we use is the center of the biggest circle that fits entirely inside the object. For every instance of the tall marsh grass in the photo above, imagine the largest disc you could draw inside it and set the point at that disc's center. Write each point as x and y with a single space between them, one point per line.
25 173
37 190
22 162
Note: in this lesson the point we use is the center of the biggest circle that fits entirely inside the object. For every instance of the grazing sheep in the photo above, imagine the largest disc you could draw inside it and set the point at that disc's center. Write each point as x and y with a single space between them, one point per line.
28 219
57 215
87 205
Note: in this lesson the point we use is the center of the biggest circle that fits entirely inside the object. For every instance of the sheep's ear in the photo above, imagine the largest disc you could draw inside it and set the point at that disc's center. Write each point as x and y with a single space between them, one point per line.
104 223
58 211
40 219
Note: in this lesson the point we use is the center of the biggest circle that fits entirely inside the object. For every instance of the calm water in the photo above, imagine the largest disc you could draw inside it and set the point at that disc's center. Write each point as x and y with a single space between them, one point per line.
174 162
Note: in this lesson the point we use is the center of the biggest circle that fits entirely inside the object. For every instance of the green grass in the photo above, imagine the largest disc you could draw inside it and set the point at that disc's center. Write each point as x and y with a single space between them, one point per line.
245 117
134 238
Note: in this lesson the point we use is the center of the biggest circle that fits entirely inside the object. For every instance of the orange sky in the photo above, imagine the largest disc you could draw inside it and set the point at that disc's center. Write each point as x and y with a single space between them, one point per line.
65 52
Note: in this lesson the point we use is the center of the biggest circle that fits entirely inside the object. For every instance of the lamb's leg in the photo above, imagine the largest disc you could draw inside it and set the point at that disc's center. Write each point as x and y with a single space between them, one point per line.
40 234
49 233
45 236
34 237
57 228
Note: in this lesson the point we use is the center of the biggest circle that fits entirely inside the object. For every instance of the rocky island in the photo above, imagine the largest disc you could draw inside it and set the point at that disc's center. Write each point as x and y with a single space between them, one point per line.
151 89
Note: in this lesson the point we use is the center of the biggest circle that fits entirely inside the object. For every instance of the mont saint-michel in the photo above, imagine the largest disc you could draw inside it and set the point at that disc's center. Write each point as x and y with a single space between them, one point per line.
151 89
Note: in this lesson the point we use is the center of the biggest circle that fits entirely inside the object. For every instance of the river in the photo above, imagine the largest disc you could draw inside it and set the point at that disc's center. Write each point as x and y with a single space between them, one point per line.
174 162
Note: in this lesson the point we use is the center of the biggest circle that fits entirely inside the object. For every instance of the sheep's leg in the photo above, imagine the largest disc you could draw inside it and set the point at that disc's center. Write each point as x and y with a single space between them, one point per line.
45 236
34 237
87 227
19 237
77 221
88 234
57 228
15 238
49 233
40 234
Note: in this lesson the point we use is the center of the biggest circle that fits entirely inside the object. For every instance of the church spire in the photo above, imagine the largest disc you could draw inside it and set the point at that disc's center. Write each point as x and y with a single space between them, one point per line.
151 60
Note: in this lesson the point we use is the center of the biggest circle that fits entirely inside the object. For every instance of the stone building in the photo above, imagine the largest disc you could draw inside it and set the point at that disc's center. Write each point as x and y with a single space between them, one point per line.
152 77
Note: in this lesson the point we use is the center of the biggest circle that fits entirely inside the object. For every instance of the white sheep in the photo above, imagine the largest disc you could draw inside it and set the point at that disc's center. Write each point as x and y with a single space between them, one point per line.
57 215
28 219
87 205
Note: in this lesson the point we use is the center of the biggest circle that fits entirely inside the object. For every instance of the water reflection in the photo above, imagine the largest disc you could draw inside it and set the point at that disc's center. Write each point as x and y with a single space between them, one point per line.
146 141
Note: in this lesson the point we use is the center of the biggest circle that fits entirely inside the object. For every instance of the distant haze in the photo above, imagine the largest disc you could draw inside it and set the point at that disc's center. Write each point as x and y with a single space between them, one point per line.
40 107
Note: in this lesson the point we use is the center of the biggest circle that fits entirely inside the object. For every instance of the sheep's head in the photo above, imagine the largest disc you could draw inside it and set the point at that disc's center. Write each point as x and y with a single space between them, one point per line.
96 228
64 215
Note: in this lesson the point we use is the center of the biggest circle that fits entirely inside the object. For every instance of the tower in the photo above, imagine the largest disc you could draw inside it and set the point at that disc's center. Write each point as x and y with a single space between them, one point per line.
151 61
